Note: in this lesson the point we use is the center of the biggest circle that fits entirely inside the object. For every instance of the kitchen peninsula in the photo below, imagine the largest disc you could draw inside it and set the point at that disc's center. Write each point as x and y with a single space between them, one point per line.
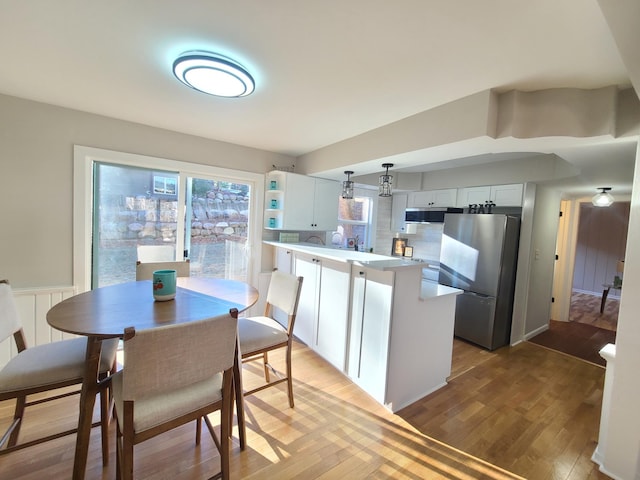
374 319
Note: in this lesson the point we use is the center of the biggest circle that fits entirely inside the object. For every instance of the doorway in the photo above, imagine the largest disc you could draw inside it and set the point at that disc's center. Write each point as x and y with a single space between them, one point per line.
590 250
599 264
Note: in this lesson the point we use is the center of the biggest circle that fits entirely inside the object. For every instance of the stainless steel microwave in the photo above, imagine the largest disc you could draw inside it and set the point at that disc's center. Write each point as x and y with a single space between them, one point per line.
428 215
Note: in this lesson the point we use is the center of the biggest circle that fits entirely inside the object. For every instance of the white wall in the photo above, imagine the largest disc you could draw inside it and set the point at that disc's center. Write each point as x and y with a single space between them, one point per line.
622 446
36 179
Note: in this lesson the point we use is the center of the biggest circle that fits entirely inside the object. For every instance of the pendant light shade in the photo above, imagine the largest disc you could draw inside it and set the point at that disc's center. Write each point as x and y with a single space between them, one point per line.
384 186
603 198
213 74
347 186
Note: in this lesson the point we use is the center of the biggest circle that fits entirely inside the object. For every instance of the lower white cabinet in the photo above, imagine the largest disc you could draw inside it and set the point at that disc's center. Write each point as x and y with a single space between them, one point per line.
283 260
323 310
370 326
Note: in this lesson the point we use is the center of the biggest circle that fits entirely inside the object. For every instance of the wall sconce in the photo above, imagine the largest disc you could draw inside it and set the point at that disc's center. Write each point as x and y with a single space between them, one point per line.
347 185
602 199
385 181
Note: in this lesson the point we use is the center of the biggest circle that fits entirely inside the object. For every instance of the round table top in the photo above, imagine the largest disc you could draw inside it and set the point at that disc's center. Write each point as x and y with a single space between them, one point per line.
107 311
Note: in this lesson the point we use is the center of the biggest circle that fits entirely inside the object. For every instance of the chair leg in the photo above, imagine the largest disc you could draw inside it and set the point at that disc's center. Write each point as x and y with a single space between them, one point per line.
225 432
198 430
266 367
237 390
118 453
289 377
17 417
127 441
104 425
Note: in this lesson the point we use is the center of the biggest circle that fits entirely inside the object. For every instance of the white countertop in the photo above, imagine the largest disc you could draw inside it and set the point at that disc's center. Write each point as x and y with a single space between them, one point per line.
364 259
430 289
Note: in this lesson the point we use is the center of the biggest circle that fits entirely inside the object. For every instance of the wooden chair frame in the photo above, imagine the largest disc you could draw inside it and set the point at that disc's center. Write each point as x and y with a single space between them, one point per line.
263 353
10 437
127 437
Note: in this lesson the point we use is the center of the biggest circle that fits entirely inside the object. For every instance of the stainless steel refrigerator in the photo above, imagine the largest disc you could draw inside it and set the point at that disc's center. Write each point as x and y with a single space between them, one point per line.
479 255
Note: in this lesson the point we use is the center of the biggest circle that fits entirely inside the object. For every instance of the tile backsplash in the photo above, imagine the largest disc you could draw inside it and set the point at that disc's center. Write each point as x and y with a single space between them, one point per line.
426 241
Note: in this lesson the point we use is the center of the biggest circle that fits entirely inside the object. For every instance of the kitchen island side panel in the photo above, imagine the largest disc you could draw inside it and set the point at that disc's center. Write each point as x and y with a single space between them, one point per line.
421 342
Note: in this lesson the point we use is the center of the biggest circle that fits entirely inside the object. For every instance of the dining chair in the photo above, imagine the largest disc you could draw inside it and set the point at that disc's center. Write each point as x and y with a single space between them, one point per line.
46 368
144 271
156 253
262 334
172 375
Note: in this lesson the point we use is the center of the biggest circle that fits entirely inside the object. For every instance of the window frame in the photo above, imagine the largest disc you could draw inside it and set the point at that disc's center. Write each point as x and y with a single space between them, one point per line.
83 163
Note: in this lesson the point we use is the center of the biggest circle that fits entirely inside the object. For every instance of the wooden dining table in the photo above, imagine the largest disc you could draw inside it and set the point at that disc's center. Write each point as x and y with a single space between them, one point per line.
106 311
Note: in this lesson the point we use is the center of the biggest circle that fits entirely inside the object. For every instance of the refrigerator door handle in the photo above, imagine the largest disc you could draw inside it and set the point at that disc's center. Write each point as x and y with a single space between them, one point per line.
475 294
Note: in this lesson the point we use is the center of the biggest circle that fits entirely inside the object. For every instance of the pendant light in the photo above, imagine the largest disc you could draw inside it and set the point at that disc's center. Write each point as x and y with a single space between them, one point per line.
602 199
347 186
385 181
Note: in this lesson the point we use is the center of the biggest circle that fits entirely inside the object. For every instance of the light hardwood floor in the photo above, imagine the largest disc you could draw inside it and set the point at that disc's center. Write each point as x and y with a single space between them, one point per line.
524 410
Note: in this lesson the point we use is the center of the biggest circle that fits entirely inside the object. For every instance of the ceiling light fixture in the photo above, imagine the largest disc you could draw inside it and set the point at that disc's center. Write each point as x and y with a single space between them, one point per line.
213 74
602 199
385 181
347 186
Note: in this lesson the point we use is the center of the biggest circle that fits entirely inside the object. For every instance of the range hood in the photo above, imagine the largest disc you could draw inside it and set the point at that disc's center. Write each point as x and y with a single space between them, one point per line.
428 215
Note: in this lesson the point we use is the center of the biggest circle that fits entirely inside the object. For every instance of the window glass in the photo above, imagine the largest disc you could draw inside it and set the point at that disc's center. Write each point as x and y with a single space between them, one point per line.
136 212
354 222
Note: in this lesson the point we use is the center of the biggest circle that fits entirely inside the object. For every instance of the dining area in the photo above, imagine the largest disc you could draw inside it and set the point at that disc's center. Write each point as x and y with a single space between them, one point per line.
147 365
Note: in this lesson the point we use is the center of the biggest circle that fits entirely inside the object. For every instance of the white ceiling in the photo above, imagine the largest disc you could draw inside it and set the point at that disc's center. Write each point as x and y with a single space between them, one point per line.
326 70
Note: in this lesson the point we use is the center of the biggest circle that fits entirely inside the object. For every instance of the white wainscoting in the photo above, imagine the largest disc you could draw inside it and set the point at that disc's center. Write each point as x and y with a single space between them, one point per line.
33 305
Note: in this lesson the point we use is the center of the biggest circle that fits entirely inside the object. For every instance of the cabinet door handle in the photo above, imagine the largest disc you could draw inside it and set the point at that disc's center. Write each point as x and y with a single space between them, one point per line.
361 273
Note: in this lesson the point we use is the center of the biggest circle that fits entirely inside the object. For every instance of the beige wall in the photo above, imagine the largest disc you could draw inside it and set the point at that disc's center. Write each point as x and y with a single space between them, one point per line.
36 175
542 258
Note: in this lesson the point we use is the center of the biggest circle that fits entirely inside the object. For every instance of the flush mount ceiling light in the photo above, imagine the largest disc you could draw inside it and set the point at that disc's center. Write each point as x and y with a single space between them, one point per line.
385 181
213 74
602 199
347 185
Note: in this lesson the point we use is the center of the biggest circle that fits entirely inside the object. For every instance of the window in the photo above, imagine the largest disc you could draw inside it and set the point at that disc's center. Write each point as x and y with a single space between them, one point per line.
354 222
124 201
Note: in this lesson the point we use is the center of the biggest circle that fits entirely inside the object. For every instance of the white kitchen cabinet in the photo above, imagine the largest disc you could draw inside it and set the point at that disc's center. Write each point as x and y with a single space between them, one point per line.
283 260
323 310
372 293
398 207
502 195
378 323
433 198
300 202
507 195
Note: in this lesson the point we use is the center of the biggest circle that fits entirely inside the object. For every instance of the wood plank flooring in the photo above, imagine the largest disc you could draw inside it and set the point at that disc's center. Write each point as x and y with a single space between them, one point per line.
522 412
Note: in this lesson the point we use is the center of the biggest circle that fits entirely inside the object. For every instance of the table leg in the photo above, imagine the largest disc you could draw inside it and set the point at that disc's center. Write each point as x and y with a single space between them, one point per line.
605 294
87 402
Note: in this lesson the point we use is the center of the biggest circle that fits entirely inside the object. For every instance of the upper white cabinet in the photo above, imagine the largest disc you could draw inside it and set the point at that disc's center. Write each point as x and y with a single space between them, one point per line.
299 202
398 206
433 198
501 195
507 195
